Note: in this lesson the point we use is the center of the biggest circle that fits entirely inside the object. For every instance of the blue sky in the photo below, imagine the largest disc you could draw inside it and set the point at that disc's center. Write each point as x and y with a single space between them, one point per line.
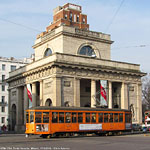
129 30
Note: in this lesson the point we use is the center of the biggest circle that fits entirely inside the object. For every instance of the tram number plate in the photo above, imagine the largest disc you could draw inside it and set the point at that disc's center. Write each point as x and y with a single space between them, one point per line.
90 127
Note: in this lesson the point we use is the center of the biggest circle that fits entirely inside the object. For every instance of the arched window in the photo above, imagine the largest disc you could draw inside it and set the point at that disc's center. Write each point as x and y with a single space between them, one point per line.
87 50
48 52
67 104
48 102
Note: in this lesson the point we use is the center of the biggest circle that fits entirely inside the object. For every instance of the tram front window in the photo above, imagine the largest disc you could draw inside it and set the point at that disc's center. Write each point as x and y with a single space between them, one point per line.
31 117
27 117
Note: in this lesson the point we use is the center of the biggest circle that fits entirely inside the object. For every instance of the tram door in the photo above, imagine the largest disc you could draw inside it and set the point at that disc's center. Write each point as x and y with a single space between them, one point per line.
111 124
68 124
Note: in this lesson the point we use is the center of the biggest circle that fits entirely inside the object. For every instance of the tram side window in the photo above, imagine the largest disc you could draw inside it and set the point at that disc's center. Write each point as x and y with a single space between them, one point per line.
120 117
93 117
27 117
127 118
61 117
38 117
80 117
87 117
105 117
100 117
68 117
31 117
130 118
45 117
111 117
74 117
116 117
54 117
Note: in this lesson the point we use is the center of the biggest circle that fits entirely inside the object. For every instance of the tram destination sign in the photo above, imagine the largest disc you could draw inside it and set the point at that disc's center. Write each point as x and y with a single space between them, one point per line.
90 127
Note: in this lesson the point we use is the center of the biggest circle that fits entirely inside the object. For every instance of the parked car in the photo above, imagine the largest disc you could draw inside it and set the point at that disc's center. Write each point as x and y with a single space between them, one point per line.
144 129
136 127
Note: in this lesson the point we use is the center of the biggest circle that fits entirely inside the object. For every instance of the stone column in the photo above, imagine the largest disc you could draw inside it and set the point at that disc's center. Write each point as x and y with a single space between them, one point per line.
9 110
93 93
26 102
110 94
77 92
124 96
41 93
57 91
33 94
20 113
139 104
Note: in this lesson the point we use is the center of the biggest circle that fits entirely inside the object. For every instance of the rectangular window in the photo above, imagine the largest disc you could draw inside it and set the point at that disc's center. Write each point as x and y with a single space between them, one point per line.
110 117
77 18
100 117
83 20
38 117
80 117
3 109
54 117
12 67
61 117
31 117
87 117
3 88
120 117
65 16
27 117
93 117
3 78
68 117
116 117
45 117
128 118
3 120
74 117
105 117
70 16
3 67
3 99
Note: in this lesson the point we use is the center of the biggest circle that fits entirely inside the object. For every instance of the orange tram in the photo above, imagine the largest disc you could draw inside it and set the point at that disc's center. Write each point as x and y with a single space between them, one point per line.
51 121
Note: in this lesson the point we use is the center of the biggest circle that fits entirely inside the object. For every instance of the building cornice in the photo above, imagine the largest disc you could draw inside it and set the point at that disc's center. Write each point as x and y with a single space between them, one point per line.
77 33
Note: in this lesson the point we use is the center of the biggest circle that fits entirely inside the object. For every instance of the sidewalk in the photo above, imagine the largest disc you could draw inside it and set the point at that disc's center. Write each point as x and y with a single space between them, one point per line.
11 132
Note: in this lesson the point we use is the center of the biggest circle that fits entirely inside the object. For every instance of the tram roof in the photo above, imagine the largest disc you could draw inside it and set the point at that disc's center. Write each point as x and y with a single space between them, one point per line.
76 108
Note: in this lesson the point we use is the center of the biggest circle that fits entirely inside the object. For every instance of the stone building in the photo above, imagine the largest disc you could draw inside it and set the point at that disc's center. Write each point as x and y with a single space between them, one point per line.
71 63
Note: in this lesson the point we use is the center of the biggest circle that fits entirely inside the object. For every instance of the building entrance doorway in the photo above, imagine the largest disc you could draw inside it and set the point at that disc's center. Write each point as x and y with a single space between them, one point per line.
13 116
85 93
116 95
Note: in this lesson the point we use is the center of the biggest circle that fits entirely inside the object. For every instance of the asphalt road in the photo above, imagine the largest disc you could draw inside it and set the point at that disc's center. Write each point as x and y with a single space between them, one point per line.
125 142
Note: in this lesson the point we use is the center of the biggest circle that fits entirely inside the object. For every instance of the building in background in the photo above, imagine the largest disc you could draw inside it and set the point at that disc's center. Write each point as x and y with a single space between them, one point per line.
7 65
73 67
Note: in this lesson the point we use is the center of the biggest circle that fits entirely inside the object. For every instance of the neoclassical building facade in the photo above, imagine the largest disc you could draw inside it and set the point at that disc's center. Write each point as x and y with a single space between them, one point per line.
70 64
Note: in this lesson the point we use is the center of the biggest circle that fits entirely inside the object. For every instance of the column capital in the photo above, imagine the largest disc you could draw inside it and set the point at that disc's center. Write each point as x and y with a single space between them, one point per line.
94 80
77 78
40 81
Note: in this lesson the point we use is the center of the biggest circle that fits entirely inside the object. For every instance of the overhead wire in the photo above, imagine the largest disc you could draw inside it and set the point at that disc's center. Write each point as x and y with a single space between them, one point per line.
134 46
21 25
113 18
